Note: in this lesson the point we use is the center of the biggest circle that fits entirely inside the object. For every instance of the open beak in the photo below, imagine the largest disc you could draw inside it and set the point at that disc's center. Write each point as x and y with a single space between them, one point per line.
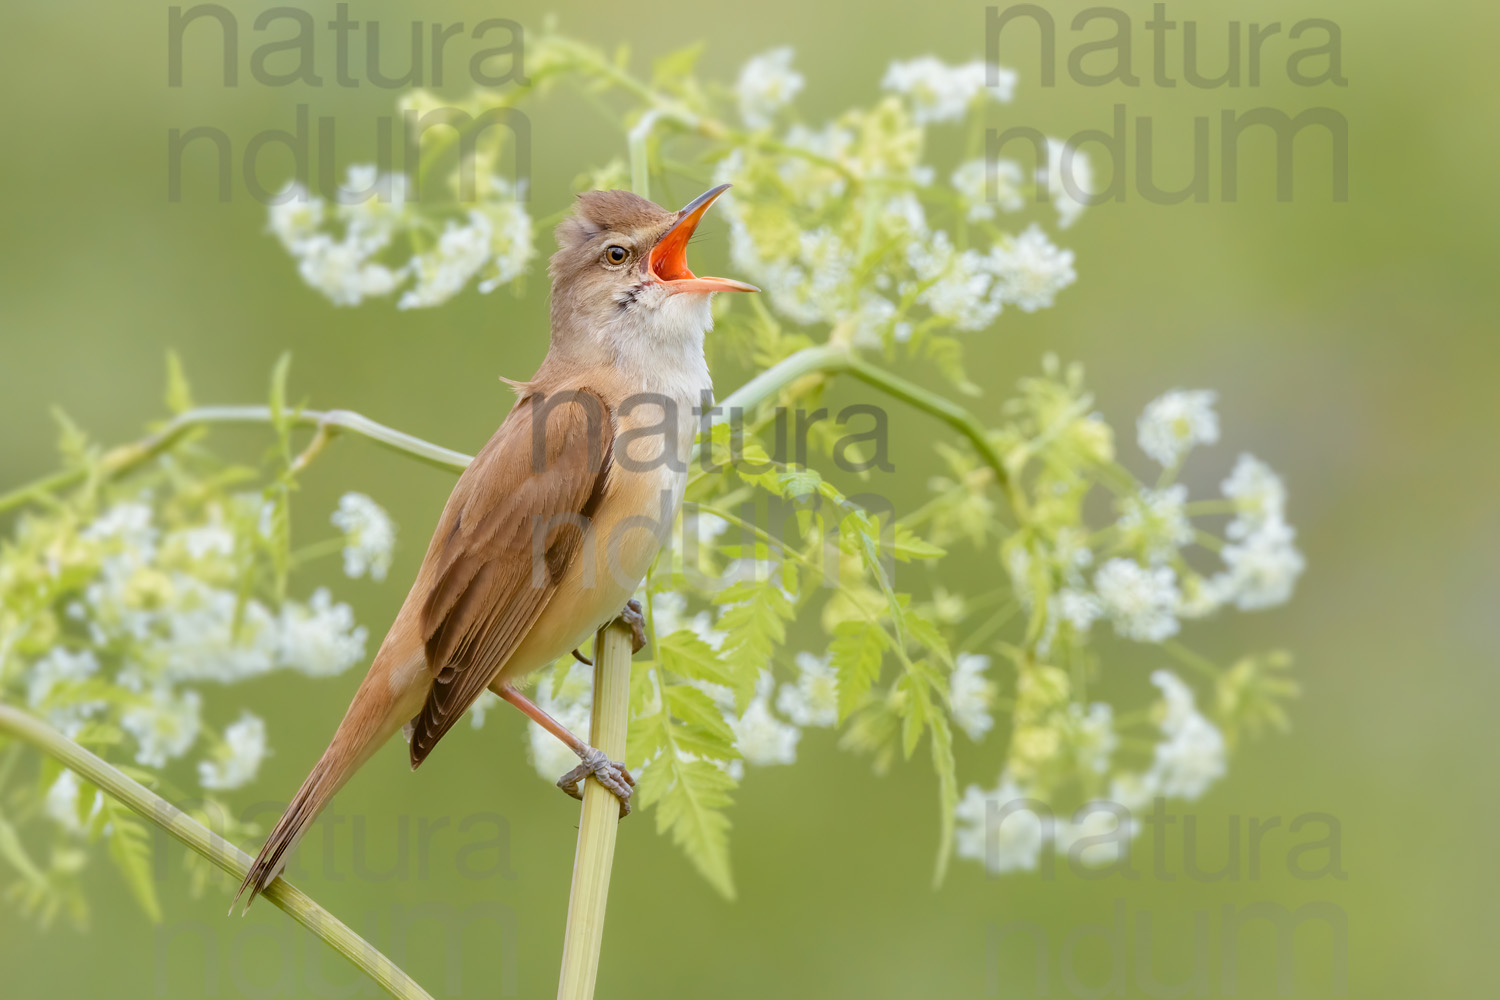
669 256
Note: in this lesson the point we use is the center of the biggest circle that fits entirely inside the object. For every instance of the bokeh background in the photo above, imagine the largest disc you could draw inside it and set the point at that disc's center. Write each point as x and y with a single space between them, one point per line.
1353 346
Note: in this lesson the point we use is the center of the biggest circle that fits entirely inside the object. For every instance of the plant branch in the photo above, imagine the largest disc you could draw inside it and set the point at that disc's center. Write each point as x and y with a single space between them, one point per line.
121 460
599 822
834 359
825 359
146 803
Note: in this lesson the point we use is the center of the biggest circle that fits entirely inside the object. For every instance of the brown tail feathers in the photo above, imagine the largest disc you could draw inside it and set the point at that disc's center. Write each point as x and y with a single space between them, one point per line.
366 726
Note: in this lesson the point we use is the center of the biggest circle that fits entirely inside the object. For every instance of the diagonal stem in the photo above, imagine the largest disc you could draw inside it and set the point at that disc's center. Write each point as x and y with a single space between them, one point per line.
835 359
146 803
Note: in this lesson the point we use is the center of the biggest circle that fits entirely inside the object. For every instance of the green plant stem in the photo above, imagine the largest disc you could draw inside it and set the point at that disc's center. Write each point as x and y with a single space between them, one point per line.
327 423
599 820
146 803
835 359
825 359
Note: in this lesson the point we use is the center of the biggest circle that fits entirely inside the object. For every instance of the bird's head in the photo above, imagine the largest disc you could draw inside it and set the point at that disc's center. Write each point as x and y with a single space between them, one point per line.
621 268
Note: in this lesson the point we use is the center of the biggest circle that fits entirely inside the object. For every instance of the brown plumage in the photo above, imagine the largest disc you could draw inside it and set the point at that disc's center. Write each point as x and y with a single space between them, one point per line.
550 529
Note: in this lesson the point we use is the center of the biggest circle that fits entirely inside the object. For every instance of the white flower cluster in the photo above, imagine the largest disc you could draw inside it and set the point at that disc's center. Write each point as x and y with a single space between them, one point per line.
1146 590
1007 828
238 760
883 267
369 536
767 84
344 250
155 611
1173 424
942 93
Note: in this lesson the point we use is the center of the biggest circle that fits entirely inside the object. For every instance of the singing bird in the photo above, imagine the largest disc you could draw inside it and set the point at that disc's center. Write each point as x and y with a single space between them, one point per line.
552 527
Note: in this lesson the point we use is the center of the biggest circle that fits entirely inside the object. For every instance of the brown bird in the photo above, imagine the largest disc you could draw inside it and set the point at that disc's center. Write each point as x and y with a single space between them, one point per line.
552 527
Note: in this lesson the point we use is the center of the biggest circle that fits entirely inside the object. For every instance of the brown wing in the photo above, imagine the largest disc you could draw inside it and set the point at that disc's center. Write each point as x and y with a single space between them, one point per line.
512 526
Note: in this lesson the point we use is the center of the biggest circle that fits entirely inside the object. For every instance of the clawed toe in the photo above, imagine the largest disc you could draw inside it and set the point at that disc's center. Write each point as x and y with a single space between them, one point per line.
631 615
610 773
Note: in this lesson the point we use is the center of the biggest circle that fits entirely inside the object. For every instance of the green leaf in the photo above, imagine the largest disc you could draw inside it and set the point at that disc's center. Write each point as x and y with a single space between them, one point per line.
915 709
947 772
179 396
691 796
698 710
798 483
12 850
72 442
906 546
278 403
129 849
922 629
686 655
754 625
674 67
856 653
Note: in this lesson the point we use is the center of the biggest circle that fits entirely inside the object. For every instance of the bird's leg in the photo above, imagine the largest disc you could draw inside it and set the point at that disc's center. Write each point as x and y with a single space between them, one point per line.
611 773
582 659
631 615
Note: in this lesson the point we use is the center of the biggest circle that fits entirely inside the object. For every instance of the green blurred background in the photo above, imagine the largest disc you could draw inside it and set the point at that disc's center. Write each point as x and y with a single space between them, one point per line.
1352 344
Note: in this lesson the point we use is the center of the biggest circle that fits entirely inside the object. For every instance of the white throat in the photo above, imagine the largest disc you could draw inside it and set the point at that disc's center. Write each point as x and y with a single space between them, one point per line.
658 344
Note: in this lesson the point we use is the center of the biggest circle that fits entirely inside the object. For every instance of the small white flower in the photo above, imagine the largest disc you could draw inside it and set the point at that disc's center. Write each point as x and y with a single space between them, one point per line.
767 83
972 694
942 93
1156 521
1092 735
373 207
1031 270
1262 570
1172 424
972 179
164 726
814 699
129 524
210 541
998 829
511 246
295 216
1258 494
441 273
212 635
320 638
341 271
59 666
761 738
1193 755
239 760
1078 608
958 284
1140 602
369 536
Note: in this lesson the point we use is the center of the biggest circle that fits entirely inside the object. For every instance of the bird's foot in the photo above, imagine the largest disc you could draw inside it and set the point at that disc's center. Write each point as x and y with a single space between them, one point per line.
611 774
582 659
631 615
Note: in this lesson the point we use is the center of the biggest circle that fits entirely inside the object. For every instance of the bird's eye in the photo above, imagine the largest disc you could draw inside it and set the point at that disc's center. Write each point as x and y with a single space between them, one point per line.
616 254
